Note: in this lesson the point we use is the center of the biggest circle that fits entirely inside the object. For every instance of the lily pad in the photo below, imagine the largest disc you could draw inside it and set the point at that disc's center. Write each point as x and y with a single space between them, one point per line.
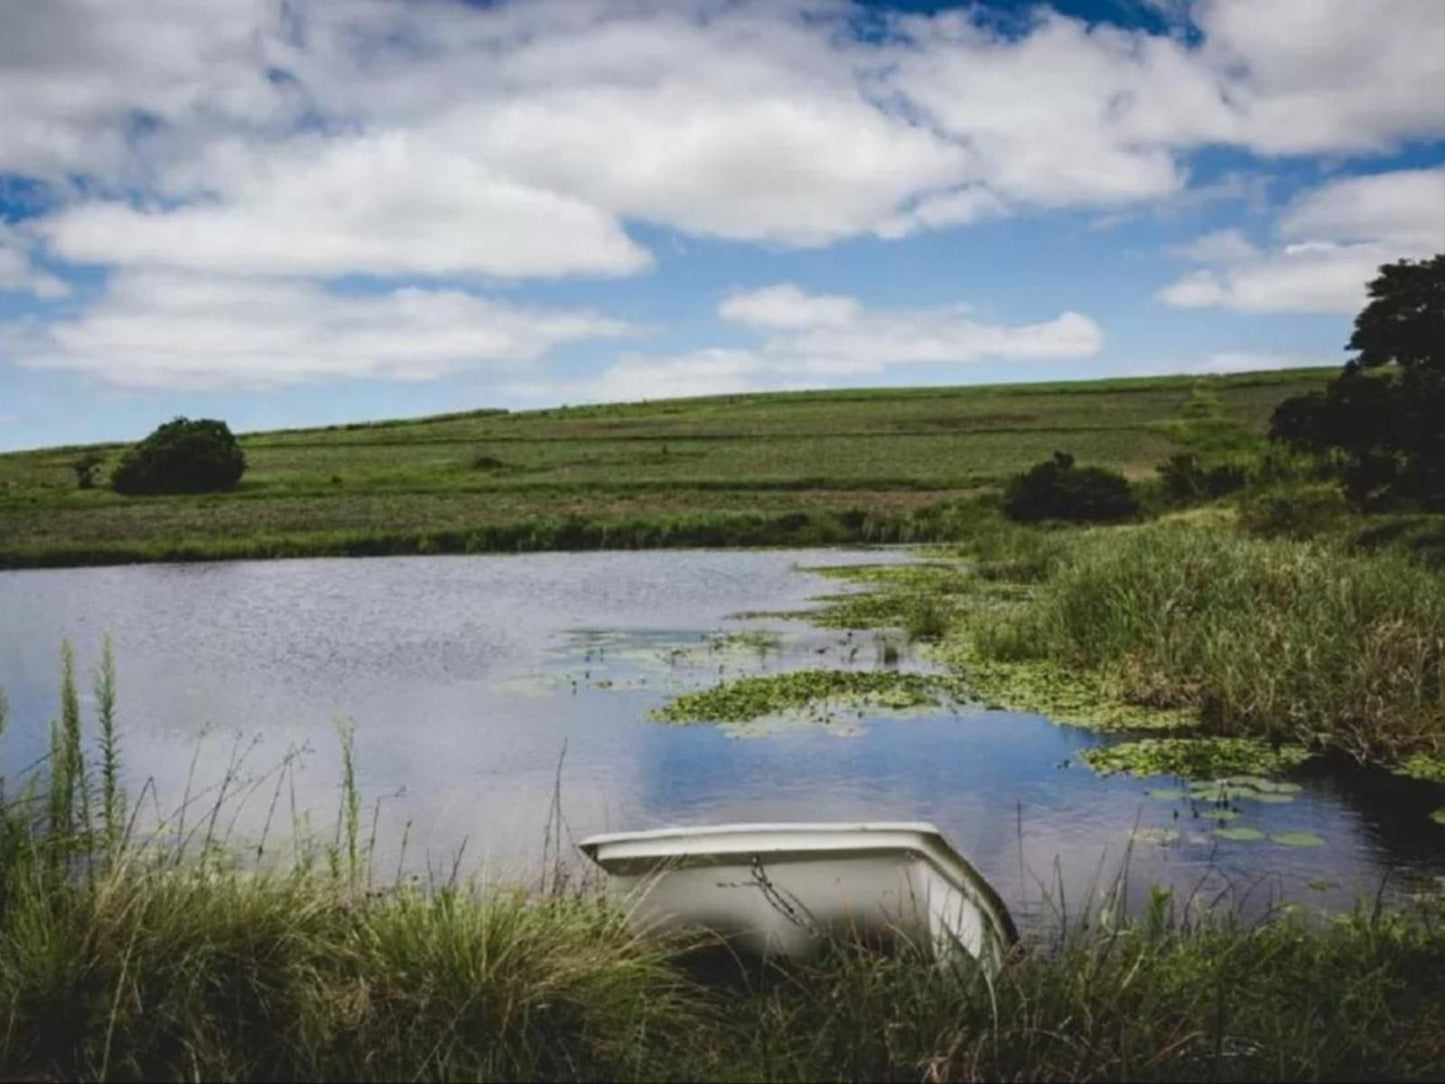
1222 814
1297 839
1239 833
1423 766
1164 794
1158 836
1225 793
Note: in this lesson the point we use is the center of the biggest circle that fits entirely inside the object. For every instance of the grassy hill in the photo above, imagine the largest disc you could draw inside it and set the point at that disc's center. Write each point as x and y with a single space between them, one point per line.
742 469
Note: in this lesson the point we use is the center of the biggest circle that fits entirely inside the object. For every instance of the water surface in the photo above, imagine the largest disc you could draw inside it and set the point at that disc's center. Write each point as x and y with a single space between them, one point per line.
466 678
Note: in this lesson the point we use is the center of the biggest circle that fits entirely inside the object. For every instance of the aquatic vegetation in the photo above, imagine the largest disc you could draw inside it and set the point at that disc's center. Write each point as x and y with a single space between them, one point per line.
1165 794
1239 834
1196 758
1423 766
751 640
817 693
1221 813
1297 839
1157 836
1438 815
1287 641
1076 696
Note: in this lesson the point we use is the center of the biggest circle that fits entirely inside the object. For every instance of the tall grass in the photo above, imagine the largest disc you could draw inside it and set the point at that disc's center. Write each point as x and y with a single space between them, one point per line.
1288 640
147 966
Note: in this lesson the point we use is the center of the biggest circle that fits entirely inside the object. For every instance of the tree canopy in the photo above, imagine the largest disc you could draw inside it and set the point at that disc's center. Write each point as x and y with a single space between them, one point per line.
182 456
1383 417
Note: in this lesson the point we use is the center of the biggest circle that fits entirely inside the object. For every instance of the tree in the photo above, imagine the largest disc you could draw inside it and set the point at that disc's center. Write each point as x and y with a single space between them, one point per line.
1383 417
1057 489
182 456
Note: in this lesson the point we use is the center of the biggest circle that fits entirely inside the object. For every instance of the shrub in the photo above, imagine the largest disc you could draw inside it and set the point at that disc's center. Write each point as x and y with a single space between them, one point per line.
482 461
1185 479
1303 511
1057 489
182 456
85 467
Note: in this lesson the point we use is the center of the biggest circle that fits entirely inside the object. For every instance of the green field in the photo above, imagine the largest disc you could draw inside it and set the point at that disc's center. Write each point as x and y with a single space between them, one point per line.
792 467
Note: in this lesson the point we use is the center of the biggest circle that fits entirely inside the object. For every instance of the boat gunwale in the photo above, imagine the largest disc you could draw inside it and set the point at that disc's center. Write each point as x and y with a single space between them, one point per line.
829 841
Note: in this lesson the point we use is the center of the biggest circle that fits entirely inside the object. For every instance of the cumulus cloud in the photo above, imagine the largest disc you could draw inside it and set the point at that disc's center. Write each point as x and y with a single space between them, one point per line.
830 334
541 127
1244 361
812 340
786 306
1333 241
1221 246
295 143
157 329
636 377
1322 76
391 203
18 272
1405 208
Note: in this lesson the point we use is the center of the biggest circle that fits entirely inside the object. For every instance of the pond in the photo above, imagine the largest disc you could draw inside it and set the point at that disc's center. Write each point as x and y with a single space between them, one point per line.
480 686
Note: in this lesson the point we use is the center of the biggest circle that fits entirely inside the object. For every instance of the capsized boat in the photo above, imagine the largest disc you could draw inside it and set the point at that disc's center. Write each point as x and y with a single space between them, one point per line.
784 889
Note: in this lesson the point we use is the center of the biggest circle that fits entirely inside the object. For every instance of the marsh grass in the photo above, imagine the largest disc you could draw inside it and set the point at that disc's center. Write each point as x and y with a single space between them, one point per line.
169 958
1288 641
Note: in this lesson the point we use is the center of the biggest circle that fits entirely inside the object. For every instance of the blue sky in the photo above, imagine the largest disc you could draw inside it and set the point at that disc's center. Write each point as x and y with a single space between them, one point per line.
317 211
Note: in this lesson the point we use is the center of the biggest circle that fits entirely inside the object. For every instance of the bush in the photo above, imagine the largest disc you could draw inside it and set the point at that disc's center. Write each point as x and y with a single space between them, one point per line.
1301 511
1056 489
1185 479
182 456
85 466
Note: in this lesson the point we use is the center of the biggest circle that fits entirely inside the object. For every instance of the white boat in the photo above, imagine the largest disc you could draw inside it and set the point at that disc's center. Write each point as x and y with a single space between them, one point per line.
783 889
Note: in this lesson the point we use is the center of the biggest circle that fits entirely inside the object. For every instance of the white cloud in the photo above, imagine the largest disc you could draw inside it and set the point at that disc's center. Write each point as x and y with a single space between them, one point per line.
1404 208
1337 236
1235 361
391 203
813 340
537 128
878 340
830 334
293 143
1241 361
1323 76
786 306
18 271
636 377
1221 246
165 330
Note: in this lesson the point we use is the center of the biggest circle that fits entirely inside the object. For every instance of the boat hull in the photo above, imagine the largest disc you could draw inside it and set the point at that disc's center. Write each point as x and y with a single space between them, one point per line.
788 889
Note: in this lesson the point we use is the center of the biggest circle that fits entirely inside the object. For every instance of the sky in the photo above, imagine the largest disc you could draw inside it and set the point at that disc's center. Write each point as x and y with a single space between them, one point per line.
299 212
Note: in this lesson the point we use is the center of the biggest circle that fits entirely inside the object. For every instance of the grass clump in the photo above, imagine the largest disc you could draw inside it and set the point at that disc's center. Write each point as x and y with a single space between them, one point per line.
814 692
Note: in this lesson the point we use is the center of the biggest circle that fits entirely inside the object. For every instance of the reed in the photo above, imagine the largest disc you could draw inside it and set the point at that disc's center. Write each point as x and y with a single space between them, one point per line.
1291 641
